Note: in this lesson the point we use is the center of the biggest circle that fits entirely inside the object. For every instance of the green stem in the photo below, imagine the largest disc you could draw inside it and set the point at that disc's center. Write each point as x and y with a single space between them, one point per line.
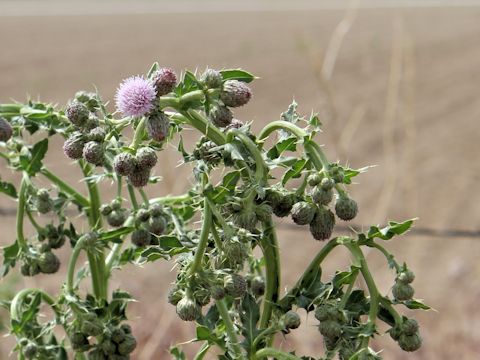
387 255
202 243
216 238
269 246
138 135
171 200
227 228
274 353
203 351
71 267
281 125
114 253
230 329
201 123
144 196
78 198
16 304
133 198
37 227
22 199
387 305
347 293
305 279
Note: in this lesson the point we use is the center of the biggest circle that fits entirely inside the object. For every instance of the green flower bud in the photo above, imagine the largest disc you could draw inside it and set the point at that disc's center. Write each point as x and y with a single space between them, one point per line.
124 164
77 113
206 151
322 224
220 116
48 263
235 93
89 239
212 79
44 205
291 320
322 312
117 217
327 184
30 350
73 146
245 219
314 179
218 292
93 153
330 329
108 347
303 213
128 345
139 177
406 277
263 212
188 309
30 269
157 126
330 343
117 335
5 130
283 207
164 80
174 296
321 196
235 252
97 134
96 354
395 333
56 240
79 342
410 327
105 209
90 99
142 215
91 328
141 238
257 285
402 292
156 225
235 285
346 208
127 329
337 173
410 342
156 210
146 158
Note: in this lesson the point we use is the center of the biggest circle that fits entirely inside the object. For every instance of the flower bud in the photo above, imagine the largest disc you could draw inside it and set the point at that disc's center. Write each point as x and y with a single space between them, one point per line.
146 158
205 150
127 329
96 354
330 329
257 285
157 126
281 203
139 177
105 209
30 350
321 196
90 99
91 328
77 113
327 183
128 345
406 277
93 153
330 343
235 124
337 173
124 164
56 240
73 146
164 80
212 79
142 215
141 238
188 309
220 116
402 292
322 312
117 335
97 134
314 179
395 333
43 202
410 327
322 224
303 212
235 93
202 296
79 342
291 320
218 292
410 342
117 217
235 285
48 263
346 208
245 219
108 347
30 269
156 225
5 130
263 212
175 295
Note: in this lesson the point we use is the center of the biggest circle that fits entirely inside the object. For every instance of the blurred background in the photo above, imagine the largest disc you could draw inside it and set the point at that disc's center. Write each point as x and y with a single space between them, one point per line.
395 83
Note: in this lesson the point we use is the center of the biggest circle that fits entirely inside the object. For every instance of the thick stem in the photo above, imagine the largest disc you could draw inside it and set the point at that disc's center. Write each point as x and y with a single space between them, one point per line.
114 253
281 125
133 198
387 305
138 135
201 123
269 245
312 268
274 353
22 197
230 329
202 243
78 198
71 267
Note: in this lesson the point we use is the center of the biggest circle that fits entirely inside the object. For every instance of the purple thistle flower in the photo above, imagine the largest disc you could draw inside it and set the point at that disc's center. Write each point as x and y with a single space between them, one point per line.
135 96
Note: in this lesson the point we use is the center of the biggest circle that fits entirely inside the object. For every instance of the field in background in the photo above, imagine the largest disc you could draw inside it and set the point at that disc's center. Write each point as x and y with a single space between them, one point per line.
402 94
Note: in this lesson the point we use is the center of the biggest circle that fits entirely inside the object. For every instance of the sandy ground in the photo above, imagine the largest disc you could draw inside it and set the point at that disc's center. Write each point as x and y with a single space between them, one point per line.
425 140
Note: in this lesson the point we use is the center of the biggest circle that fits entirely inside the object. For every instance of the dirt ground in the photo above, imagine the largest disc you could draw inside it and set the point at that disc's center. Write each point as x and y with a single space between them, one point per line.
403 96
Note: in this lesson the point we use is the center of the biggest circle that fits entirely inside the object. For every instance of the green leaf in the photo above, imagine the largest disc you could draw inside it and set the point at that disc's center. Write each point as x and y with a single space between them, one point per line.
10 254
153 69
177 354
249 315
203 333
115 234
416 304
351 173
344 278
237 74
229 182
389 231
295 171
288 144
37 154
8 189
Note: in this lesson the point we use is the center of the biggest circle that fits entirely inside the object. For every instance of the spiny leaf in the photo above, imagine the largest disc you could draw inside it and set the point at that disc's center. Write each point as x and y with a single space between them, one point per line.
237 74
393 228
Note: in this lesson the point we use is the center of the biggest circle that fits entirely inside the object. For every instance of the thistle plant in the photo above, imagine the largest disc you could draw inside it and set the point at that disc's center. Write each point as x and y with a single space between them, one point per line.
242 182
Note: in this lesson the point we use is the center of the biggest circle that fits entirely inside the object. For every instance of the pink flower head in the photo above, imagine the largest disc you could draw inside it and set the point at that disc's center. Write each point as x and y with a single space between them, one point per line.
135 96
